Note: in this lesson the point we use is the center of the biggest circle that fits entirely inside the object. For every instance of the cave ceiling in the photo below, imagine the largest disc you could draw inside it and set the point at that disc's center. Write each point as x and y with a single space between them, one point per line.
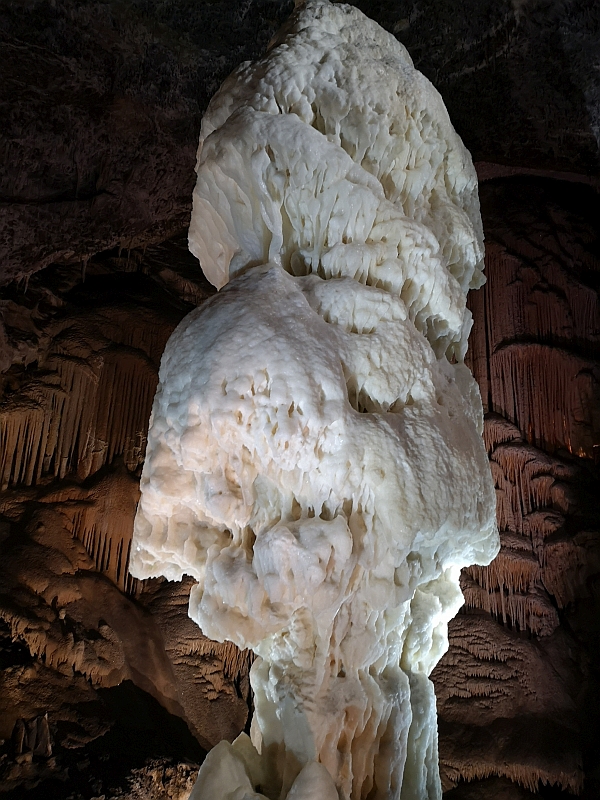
102 101
101 104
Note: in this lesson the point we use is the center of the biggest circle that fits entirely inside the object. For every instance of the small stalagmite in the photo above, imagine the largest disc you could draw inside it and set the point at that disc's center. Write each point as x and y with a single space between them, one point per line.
315 458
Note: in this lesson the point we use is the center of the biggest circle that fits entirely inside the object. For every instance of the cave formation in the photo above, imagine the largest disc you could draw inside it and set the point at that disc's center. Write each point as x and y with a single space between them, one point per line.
107 687
315 458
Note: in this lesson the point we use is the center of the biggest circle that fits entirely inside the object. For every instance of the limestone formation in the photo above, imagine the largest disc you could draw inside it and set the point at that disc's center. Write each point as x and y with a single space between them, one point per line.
102 106
80 625
528 662
315 458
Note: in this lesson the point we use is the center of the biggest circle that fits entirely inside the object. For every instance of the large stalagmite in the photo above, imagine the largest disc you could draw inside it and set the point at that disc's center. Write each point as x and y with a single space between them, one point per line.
315 458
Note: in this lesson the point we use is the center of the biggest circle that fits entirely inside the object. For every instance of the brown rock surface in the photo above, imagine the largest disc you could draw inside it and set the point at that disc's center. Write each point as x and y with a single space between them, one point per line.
101 106
73 423
208 674
506 709
516 691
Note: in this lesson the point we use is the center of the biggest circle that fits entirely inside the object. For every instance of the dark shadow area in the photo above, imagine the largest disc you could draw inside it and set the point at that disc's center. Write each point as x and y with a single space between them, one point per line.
142 732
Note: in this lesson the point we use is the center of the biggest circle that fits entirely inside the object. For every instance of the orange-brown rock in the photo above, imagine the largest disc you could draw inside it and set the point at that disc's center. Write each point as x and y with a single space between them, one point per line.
74 422
515 691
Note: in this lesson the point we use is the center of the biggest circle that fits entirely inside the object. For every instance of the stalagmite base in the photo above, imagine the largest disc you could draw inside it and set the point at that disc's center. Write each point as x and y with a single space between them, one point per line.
315 458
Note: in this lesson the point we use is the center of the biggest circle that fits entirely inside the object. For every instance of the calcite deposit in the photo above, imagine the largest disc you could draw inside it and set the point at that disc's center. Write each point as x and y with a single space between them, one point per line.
534 352
75 627
103 106
315 458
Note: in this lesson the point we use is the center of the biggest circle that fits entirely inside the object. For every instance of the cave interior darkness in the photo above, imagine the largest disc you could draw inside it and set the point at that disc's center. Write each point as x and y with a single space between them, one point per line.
107 689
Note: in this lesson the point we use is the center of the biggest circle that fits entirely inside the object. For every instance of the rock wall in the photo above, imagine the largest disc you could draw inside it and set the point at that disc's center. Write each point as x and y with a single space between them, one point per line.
73 424
517 686
103 102
516 691
103 105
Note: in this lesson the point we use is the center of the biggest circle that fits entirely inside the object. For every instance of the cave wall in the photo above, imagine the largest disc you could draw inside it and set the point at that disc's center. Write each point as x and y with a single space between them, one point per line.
73 623
103 104
518 683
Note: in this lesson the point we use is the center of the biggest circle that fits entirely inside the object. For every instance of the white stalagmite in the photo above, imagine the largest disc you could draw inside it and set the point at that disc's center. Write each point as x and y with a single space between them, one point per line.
315 458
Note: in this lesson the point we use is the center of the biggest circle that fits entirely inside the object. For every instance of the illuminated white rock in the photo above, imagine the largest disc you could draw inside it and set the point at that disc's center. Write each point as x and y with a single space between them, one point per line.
315 457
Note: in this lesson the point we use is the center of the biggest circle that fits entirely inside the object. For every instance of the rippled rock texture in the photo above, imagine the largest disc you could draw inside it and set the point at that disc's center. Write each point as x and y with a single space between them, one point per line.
102 103
101 111
516 691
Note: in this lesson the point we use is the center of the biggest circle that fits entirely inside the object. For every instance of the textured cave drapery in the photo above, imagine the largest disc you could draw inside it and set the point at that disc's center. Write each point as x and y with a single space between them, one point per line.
103 105
314 457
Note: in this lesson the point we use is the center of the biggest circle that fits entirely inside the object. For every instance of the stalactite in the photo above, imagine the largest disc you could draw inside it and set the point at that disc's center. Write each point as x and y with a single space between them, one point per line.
23 433
550 393
88 399
515 567
525 775
533 345
531 295
497 430
77 416
101 517
571 565
529 610
528 480
490 677
100 659
235 661
533 492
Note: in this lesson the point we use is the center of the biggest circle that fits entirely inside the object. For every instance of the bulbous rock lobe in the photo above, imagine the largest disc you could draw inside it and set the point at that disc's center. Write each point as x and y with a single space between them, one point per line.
315 459
356 164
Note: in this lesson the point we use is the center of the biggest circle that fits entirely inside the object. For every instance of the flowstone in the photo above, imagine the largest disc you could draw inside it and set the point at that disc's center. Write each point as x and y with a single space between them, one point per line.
315 458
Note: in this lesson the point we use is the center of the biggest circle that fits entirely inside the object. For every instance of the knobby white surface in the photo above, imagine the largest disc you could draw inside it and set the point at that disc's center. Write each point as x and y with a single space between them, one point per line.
314 458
